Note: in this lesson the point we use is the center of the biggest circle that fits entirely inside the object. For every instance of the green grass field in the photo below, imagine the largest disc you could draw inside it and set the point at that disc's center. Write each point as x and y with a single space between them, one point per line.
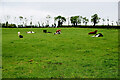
72 54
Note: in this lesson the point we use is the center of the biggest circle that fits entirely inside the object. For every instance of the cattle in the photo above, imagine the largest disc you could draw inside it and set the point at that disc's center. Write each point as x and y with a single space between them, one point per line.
98 35
93 32
20 36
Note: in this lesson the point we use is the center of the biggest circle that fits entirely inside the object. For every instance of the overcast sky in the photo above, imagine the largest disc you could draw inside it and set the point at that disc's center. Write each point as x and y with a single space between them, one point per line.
39 9
59 0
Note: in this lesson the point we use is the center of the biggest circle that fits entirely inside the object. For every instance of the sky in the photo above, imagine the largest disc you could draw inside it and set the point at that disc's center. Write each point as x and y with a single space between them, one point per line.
39 9
59 0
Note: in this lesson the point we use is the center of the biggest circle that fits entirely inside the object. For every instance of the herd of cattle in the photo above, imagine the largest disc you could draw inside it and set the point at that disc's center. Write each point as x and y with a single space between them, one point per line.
59 32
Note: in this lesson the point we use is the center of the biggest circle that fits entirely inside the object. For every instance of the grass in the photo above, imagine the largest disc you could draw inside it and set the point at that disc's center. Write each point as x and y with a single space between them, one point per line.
72 54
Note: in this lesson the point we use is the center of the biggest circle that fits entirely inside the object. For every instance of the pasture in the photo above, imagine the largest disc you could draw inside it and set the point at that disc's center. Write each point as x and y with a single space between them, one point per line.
72 54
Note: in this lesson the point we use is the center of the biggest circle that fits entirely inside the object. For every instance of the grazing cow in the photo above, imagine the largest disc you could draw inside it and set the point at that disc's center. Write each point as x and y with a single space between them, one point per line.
58 32
93 32
98 35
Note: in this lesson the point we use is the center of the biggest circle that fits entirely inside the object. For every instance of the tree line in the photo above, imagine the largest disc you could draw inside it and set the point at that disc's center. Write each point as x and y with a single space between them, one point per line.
75 21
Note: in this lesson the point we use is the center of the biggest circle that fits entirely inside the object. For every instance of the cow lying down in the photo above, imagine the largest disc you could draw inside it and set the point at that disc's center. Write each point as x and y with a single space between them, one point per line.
94 32
30 32
98 35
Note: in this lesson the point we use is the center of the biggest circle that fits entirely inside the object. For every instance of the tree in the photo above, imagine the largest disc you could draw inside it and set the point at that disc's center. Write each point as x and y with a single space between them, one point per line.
7 24
3 25
108 21
117 23
48 19
79 20
26 21
60 20
7 20
31 21
103 21
95 19
39 23
68 21
112 23
43 24
21 18
74 20
11 25
85 20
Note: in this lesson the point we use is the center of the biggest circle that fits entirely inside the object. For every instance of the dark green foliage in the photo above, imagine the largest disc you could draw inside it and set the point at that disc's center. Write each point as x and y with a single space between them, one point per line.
85 20
60 20
74 20
8 25
95 19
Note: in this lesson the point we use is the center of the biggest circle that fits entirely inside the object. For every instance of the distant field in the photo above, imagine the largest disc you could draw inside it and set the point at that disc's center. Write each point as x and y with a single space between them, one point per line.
72 54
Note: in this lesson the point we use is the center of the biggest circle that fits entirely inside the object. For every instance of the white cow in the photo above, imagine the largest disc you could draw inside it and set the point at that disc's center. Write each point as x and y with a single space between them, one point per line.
18 33
33 32
98 35
30 32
